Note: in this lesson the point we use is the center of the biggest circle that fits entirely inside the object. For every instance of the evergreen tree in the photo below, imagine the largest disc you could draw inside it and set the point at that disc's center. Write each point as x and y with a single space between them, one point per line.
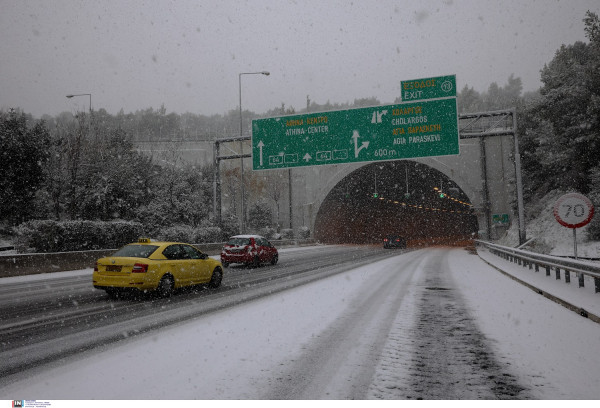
259 215
571 105
23 153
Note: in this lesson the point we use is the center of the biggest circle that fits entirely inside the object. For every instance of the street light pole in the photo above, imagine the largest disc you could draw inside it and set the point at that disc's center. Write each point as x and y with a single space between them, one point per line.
90 95
242 148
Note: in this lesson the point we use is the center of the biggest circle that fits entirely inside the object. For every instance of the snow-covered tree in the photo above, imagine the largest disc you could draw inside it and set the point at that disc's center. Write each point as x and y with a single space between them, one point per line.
23 154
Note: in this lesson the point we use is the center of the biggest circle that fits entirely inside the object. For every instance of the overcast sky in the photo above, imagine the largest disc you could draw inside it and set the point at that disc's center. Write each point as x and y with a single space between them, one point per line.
188 54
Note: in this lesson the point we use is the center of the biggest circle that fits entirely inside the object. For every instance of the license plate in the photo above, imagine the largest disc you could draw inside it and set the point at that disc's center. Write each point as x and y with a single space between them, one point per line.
113 268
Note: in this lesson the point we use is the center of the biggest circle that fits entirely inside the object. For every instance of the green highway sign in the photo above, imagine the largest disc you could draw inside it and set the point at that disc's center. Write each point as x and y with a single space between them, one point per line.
500 218
428 88
391 132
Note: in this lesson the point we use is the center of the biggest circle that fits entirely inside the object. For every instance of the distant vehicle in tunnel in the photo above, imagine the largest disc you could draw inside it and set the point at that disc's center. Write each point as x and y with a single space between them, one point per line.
394 241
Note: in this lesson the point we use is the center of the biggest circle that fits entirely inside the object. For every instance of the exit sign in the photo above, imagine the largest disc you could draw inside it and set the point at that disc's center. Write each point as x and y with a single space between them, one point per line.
428 88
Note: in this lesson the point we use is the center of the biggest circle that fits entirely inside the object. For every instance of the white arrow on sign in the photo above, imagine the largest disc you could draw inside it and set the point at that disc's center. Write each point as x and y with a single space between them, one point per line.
260 146
357 149
307 157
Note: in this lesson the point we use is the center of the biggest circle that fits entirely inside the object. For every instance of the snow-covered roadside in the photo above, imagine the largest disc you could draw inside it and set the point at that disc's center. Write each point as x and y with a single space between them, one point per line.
551 237
584 298
545 343
227 355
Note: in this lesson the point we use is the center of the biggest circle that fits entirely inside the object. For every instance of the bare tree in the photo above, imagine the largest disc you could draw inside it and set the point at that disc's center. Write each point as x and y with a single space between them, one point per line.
275 188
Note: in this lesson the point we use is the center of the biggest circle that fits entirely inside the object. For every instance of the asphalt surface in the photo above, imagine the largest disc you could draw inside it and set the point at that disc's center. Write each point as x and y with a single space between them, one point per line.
410 335
47 321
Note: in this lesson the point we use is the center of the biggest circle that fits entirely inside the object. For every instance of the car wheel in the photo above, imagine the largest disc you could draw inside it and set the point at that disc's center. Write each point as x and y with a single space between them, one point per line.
274 259
216 278
113 293
165 286
225 264
256 262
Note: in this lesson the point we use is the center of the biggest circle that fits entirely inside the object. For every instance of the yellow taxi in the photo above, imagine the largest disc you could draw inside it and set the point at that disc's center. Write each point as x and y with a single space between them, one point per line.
160 267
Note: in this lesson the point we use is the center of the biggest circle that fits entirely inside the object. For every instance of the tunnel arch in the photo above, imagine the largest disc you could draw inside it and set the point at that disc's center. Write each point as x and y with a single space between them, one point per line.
369 202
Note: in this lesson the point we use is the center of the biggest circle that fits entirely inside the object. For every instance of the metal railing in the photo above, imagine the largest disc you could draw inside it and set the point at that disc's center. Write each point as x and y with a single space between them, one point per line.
549 263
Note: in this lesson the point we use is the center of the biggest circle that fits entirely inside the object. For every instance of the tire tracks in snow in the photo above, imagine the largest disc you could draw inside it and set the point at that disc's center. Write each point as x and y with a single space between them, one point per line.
340 362
441 353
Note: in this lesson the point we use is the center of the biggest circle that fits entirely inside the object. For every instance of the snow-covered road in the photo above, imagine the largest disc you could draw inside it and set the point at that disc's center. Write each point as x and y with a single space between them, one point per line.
433 323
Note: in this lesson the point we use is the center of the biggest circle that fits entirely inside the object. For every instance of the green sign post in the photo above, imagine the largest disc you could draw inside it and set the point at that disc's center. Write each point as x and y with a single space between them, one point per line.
391 132
428 88
500 218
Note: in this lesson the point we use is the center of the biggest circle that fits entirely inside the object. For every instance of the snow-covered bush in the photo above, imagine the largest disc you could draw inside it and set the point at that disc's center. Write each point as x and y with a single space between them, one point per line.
303 232
177 233
270 233
287 233
229 225
189 234
64 236
208 234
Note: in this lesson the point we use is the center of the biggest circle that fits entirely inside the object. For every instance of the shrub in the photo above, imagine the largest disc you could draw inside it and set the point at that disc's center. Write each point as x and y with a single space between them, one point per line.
64 236
303 233
208 235
287 233
229 226
270 233
177 233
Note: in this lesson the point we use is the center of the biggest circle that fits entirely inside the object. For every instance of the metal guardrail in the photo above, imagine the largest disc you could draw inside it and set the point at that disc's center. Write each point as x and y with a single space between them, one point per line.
549 263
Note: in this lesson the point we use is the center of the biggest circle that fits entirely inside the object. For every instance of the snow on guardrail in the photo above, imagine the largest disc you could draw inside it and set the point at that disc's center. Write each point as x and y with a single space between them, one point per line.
549 262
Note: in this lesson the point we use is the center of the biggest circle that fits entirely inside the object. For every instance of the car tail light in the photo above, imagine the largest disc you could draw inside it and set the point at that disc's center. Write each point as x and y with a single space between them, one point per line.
139 268
96 267
385 240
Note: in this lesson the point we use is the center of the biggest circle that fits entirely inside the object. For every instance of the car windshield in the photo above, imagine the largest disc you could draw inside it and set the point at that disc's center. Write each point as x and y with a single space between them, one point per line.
239 241
136 251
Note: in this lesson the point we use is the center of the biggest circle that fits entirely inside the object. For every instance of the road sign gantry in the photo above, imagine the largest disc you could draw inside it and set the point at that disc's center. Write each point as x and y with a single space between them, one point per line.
390 132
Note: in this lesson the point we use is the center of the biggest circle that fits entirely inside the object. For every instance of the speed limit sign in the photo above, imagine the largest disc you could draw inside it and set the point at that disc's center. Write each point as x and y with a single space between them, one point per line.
573 210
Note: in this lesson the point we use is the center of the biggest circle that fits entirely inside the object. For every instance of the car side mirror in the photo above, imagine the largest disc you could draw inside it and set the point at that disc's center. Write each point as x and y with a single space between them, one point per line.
203 256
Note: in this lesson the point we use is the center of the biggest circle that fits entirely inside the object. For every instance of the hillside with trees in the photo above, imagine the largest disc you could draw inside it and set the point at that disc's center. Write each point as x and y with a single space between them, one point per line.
83 166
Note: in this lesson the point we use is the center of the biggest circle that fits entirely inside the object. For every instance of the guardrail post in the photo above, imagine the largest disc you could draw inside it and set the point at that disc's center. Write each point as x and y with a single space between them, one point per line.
597 284
519 261
530 265
537 268
581 280
557 273
567 276
547 270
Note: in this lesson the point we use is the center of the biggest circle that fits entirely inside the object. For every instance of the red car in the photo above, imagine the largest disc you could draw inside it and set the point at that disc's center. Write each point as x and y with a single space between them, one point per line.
248 249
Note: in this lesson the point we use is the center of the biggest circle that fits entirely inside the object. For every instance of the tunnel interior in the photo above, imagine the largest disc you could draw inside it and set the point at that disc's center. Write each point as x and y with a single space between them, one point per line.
396 198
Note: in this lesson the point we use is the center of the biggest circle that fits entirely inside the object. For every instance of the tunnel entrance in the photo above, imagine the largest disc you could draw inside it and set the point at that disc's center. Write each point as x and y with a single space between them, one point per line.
396 198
